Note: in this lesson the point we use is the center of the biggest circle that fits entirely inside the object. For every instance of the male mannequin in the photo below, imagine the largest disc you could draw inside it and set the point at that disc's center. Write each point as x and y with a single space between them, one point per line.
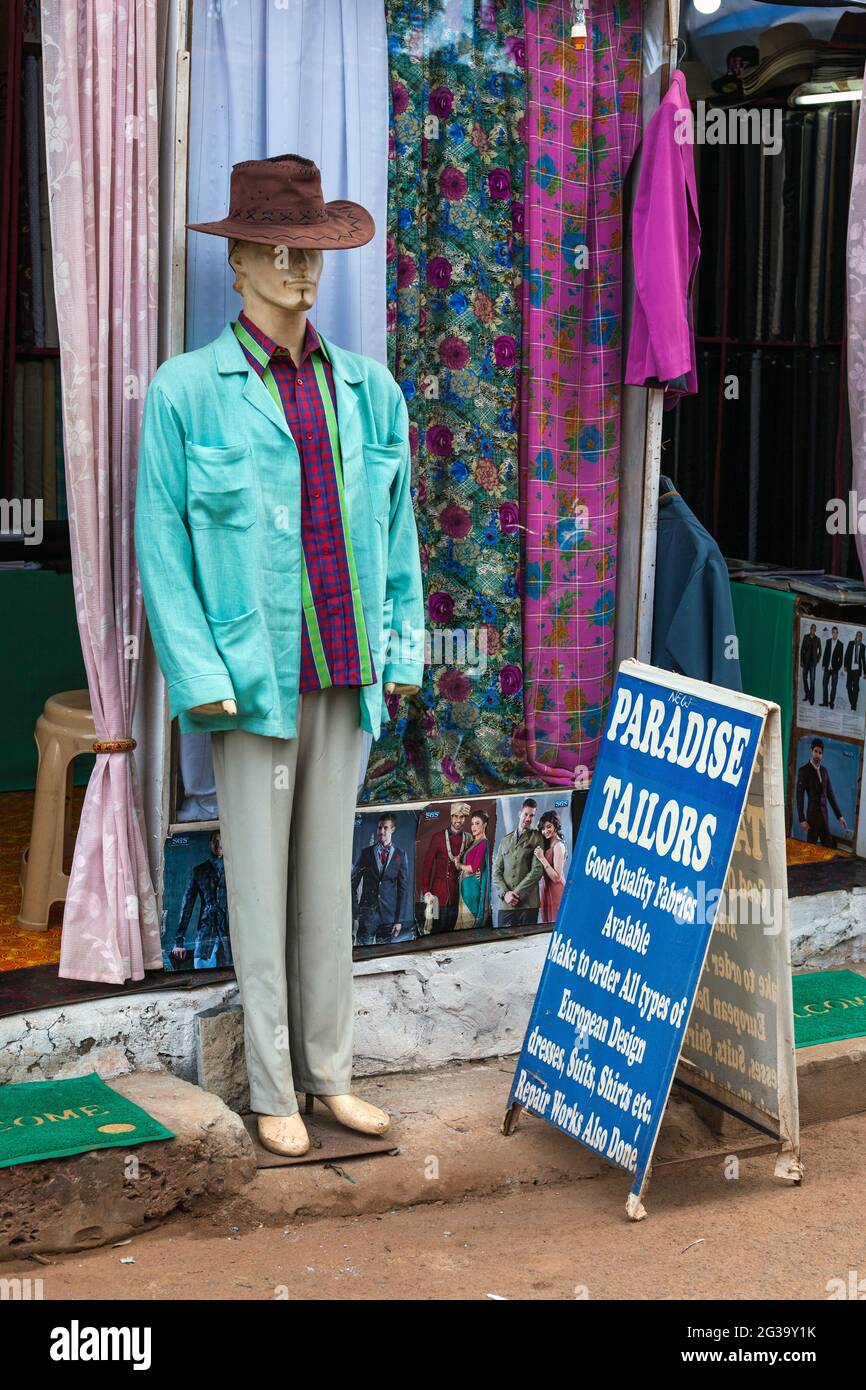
278 555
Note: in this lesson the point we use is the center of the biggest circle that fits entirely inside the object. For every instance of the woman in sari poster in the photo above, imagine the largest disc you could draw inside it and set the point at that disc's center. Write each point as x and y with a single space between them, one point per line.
552 858
475 877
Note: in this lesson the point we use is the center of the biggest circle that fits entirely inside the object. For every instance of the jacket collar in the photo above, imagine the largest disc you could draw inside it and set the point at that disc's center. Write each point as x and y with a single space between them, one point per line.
230 357
347 369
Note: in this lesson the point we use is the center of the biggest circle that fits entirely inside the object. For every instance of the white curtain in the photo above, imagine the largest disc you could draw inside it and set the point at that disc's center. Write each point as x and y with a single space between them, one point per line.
269 77
306 77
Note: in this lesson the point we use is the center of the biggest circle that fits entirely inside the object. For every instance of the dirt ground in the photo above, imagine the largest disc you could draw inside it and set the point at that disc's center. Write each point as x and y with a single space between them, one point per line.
707 1236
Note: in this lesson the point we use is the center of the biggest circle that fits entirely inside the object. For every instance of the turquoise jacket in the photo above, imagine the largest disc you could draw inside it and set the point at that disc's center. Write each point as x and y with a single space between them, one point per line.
217 535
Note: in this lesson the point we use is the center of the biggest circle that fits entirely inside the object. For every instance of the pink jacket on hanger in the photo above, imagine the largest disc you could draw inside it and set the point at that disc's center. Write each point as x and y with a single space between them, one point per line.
665 246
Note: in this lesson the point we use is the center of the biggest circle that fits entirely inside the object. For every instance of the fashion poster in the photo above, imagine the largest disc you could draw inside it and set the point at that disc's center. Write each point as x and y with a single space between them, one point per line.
195 919
831 677
825 791
454 861
383 878
531 856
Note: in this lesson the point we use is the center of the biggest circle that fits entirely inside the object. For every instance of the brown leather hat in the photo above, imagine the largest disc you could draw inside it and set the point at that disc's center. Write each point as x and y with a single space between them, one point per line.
278 202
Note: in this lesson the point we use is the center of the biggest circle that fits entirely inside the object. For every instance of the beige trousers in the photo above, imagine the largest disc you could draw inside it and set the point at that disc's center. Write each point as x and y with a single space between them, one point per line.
287 814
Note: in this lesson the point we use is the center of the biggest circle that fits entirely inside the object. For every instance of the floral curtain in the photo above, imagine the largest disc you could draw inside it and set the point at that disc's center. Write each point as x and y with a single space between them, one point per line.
455 249
582 130
101 138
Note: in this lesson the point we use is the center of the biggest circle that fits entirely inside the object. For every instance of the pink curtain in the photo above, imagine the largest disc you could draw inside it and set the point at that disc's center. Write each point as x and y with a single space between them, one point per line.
101 139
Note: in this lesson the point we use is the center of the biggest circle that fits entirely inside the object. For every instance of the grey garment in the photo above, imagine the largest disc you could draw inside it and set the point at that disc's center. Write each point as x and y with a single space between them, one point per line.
821 193
754 453
777 241
763 244
287 817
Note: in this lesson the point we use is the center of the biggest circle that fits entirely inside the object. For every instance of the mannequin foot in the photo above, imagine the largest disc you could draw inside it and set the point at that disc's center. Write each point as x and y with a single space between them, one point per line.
355 1113
284 1134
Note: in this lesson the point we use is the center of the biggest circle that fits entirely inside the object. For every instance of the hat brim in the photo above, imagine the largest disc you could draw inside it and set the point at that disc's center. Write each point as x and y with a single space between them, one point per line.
347 225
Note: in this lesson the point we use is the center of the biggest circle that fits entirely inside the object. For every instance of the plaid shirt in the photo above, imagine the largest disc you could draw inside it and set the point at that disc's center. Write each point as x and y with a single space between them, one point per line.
334 645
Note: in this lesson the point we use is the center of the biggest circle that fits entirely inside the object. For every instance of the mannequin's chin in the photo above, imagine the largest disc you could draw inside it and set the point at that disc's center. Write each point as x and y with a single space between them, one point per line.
299 301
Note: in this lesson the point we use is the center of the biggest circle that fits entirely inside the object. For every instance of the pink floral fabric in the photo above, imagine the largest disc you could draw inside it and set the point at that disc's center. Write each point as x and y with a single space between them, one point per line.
101 141
582 130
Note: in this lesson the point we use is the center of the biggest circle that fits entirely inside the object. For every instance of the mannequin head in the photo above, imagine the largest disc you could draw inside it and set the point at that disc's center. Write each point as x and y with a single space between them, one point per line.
275 279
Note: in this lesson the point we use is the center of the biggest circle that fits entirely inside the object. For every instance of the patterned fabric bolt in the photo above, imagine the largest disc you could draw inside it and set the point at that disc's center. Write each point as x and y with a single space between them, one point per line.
339 652
582 130
455 249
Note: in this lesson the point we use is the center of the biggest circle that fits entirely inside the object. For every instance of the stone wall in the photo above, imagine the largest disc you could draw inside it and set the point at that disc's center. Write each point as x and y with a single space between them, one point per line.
412 1012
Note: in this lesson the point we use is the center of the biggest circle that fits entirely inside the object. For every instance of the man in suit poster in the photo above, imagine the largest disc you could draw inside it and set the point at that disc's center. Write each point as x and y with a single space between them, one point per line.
381 887
810 655
205 886
855 667
831 664
815 799
439 887
517 870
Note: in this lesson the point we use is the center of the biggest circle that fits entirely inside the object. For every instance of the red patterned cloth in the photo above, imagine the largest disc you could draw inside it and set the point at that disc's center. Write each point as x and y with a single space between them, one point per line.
322 537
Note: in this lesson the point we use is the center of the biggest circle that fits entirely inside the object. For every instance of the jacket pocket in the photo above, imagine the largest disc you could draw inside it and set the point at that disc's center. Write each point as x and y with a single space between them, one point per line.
245 647
220 487
381 462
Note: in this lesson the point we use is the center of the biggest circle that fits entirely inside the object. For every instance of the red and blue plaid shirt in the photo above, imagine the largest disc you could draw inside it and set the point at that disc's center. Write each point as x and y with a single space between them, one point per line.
345 650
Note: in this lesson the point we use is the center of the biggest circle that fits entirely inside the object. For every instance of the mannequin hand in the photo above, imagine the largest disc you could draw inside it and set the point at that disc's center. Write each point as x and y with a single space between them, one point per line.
216 707
393 689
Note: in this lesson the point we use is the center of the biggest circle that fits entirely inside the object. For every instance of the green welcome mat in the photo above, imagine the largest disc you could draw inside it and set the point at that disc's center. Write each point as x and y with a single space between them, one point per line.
53 1119
829 1006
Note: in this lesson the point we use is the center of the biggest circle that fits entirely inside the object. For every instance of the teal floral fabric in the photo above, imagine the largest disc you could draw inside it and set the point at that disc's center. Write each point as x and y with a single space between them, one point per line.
455 249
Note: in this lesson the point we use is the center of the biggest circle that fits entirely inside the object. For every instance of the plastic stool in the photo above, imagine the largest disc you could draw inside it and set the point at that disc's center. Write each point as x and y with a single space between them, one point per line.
64 729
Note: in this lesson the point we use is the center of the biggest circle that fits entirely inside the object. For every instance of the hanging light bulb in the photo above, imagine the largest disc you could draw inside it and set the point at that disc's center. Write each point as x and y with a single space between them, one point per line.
707 6
578 25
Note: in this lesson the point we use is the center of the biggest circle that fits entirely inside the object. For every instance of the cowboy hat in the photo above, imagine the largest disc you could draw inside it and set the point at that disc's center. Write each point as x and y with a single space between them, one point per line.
278 202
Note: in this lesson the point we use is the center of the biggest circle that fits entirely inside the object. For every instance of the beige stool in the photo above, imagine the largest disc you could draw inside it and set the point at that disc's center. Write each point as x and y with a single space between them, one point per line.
63 730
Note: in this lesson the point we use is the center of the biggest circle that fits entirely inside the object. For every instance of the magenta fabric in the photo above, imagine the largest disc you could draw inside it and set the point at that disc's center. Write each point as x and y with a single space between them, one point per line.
322 538
582 130
666 248
101 141
856 325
